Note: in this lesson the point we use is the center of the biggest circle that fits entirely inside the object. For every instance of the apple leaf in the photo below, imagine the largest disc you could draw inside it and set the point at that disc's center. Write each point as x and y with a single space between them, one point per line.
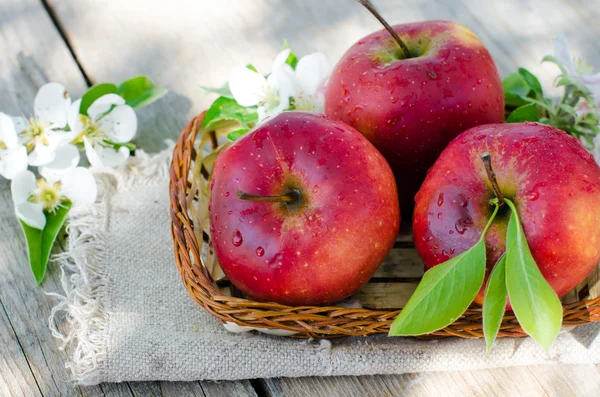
223 91
445 292
40 242
94 93
227 109
292 59
532 82
515 89
527 112
494 303
140 91
233 135
533 300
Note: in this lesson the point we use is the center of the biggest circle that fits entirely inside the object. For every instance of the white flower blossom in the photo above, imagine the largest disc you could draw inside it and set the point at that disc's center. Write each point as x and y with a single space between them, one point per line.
271 94
110 122
33 198
43 132
13 156
577 70
312 72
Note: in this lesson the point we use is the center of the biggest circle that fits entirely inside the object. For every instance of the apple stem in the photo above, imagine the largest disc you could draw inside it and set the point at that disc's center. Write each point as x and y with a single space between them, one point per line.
487 161
369 6
290 197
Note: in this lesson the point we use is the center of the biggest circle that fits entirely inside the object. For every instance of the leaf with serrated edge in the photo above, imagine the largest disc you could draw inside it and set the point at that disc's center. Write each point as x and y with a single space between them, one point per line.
494 303
533 300
445 292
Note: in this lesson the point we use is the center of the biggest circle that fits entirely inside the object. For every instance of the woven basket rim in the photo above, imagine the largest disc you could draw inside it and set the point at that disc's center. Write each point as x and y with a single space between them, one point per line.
304 321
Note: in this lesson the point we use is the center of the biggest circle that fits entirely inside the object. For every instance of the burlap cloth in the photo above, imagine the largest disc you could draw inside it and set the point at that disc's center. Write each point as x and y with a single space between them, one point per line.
126 316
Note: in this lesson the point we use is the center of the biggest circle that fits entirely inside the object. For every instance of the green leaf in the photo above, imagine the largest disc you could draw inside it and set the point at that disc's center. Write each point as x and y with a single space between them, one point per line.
233 135
228 109
221 91
140 91
533 300
531 81
527 112
445 292
292 59
515 89
550 58
252 67
94 93
118 145
40 242
494 302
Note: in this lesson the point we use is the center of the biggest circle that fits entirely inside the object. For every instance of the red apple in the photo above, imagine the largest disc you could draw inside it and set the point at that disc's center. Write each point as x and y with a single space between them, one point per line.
339 222
410 108
553 181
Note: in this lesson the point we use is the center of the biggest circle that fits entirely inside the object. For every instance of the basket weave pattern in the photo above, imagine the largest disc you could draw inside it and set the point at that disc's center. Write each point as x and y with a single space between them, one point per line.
193 158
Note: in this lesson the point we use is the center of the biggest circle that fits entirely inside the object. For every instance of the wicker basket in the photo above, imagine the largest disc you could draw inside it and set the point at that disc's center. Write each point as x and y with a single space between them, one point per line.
381 299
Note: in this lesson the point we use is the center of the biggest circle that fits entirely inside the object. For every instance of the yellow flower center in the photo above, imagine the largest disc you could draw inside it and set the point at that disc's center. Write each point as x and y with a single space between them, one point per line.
3 145
90 130
48 194
36 132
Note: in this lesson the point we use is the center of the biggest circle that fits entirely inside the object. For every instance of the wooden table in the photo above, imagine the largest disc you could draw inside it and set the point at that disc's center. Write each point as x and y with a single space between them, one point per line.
184 44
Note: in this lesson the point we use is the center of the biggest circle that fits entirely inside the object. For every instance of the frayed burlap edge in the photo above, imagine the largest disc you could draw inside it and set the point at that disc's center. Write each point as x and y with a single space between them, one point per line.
82 315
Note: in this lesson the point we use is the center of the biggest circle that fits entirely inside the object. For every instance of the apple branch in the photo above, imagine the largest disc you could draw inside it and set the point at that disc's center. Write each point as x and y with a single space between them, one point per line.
369 6
487 161
291 197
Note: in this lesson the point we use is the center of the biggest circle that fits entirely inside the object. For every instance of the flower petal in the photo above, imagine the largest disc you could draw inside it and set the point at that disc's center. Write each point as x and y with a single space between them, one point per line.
247 87
13 161
41 155
104 104
20 123
312 72
67 158
103 157
32 214
23 184
79 186
280 59
74 120
51 104
120 125
8 134
562 53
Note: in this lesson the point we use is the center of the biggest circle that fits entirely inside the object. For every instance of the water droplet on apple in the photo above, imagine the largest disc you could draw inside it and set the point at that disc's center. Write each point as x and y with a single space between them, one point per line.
440 200
532 196
237 238
439 215
229 212
315 189
467 220
340 197
479 137
209 208
226 194
459 227
260 251
464 201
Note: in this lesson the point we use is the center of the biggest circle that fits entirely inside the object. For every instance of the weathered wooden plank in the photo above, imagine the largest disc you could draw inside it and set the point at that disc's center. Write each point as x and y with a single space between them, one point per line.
32 54
16 378
175 389
385 295
116 389
228 388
